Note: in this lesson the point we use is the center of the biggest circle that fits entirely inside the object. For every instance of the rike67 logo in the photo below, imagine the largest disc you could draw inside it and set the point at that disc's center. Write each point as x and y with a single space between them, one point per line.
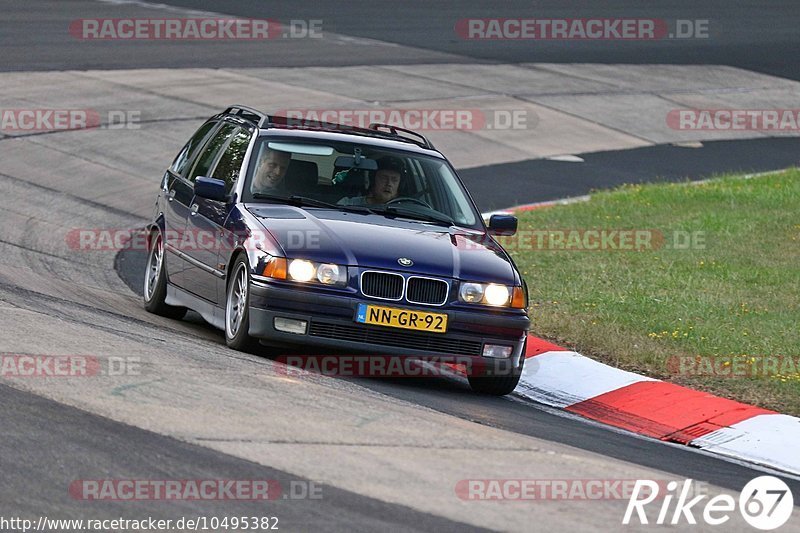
765 503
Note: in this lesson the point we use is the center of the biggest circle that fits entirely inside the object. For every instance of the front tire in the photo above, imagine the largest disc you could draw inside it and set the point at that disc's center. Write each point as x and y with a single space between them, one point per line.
498 385
237 308
155 281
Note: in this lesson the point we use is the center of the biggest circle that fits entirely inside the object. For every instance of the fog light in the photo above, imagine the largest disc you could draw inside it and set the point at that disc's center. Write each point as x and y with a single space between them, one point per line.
290 325
497 351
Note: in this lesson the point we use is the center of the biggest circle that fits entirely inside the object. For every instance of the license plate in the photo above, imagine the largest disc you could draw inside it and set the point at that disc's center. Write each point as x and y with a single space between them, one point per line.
401 318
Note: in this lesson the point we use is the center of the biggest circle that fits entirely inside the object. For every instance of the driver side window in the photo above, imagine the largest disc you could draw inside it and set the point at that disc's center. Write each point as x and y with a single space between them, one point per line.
189 151
230 163
210 152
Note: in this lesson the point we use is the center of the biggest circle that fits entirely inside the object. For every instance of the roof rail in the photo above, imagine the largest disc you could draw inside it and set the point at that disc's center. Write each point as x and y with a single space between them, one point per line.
247 113
387 131
417 138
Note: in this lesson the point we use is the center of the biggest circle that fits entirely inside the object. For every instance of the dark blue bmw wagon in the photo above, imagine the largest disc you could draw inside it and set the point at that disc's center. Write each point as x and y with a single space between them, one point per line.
333 237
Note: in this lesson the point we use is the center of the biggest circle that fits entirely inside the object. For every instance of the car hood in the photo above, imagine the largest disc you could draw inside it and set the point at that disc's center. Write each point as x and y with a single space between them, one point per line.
375 241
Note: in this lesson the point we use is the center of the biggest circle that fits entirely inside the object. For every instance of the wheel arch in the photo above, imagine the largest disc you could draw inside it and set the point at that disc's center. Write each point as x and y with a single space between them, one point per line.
157 224
237 252
254 259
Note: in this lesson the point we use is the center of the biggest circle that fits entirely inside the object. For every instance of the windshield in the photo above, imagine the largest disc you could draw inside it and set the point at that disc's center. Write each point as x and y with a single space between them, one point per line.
358 177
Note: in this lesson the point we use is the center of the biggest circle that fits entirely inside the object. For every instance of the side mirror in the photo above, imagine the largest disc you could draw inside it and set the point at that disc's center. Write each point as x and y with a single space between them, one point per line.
210 188
503 225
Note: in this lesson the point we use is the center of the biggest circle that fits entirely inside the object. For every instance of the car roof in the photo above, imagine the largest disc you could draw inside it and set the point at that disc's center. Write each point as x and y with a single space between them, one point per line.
380 135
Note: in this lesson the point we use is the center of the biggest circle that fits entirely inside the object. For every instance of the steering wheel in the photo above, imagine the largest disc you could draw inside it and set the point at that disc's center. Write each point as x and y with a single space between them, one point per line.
401 199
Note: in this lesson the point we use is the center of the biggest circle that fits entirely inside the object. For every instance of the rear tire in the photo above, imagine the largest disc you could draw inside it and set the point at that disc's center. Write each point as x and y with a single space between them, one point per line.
237 308
499 385
155 281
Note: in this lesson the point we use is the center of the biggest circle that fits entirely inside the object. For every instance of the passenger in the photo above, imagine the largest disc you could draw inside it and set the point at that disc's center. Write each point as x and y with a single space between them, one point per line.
271 171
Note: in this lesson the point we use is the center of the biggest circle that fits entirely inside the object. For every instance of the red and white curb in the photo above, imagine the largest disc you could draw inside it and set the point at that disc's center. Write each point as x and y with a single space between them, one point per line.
577 384
567 380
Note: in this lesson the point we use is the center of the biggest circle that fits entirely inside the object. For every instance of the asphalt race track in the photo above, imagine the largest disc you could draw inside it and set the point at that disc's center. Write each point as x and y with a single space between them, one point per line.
755 36
388 453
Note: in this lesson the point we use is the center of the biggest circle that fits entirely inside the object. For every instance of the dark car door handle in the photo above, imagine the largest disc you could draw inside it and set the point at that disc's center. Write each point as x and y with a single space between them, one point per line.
195 207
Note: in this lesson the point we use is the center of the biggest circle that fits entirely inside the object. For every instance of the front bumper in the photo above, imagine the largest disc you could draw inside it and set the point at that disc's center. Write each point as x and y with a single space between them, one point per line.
331 325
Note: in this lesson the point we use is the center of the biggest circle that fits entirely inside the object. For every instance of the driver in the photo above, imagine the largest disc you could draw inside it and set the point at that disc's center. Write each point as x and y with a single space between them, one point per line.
384 185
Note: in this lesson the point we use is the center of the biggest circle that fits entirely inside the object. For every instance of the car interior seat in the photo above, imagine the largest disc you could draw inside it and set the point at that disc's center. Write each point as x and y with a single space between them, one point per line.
302 177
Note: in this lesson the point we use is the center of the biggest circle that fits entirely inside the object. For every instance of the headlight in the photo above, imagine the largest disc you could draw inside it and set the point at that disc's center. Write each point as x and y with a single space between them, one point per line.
471 292
497 295
301 270
326 273
492 294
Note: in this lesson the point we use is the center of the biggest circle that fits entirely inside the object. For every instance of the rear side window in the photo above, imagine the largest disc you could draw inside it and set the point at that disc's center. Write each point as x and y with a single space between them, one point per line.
189 151
230 163
211 150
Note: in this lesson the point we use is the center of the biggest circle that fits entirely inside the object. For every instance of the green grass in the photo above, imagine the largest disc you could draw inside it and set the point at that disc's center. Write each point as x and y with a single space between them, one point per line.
736 294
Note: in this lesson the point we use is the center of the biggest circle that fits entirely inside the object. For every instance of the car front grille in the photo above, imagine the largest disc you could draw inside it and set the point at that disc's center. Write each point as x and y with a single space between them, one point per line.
427 291
382 285
431 342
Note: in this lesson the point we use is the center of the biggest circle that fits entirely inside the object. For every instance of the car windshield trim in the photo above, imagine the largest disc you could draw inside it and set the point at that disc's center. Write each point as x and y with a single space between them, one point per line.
305 201
386 211
433 216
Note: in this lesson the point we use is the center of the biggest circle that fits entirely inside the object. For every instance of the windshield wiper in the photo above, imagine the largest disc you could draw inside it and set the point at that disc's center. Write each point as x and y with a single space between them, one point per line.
432 216
266 196
301 201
